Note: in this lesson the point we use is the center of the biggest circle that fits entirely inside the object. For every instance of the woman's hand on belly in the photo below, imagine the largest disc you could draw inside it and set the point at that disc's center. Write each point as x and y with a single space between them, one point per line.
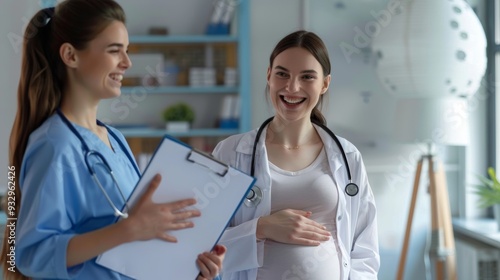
292 226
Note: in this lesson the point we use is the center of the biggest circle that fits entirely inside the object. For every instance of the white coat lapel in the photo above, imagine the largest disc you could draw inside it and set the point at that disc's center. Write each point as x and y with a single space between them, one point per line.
262 174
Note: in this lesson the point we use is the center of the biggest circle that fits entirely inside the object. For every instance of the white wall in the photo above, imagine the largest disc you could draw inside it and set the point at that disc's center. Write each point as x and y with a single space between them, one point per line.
362 111
270 21
13 18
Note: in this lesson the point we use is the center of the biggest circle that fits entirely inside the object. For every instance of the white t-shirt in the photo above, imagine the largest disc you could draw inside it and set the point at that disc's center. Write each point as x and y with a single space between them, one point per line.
310 189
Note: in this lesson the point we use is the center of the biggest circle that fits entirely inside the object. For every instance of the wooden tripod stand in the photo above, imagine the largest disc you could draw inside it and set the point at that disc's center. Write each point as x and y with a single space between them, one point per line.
442 248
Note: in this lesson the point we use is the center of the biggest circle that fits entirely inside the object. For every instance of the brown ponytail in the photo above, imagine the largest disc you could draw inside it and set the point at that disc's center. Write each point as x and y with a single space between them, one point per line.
37 98
43 80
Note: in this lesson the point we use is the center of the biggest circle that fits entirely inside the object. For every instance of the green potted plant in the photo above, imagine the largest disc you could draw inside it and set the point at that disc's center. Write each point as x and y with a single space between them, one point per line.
178 117
489 193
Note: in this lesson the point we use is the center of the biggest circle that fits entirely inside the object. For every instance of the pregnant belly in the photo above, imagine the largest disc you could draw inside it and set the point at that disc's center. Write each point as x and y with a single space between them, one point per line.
295 262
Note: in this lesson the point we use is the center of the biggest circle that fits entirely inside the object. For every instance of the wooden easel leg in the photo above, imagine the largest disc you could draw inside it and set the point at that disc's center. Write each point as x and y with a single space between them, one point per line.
402 259
443 247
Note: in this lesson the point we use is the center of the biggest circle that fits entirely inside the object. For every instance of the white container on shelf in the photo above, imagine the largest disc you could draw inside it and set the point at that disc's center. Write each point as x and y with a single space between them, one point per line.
230 77
199 76
196 76
177 126
209 77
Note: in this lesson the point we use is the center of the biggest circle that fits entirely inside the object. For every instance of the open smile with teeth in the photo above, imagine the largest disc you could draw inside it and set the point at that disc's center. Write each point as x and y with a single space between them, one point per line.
292 100
116 77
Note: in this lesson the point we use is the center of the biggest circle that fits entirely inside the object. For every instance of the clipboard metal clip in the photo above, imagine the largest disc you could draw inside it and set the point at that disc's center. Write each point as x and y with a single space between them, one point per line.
207 161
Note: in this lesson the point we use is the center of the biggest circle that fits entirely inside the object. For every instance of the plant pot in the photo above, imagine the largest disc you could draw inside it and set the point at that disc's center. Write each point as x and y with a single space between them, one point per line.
177 126
496 214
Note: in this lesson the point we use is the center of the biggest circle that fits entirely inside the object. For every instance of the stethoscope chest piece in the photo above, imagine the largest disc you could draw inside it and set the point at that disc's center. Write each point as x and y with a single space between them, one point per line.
351 189
254 197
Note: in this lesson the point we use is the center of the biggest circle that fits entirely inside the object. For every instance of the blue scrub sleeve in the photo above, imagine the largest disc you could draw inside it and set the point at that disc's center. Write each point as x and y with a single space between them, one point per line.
44 227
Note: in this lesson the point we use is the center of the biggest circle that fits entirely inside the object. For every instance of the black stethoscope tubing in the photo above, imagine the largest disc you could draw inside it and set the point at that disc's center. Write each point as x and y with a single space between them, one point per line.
88 153
86 147
351 188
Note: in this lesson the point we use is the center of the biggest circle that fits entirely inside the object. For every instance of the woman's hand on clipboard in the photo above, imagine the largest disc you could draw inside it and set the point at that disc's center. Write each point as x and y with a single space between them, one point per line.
148 220
210 263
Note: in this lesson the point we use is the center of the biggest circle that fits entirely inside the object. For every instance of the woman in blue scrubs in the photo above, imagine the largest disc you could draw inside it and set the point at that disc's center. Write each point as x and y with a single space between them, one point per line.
73 57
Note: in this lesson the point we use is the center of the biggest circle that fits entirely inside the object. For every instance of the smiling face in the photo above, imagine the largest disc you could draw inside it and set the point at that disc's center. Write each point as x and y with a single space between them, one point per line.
296 82
99 68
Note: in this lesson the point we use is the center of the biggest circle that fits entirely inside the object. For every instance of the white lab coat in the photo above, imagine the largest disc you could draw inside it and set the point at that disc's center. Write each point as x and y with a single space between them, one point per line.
356 216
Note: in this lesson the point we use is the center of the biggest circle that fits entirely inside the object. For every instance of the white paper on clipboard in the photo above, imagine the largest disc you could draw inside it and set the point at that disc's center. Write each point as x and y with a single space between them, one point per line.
218 189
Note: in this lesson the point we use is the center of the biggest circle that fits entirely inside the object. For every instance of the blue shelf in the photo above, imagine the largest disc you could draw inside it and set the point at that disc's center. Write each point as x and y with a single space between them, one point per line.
180 89
180 39
242 42
155 132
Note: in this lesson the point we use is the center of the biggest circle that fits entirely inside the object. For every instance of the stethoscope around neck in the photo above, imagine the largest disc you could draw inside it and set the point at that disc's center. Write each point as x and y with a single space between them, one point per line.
89 153
254 196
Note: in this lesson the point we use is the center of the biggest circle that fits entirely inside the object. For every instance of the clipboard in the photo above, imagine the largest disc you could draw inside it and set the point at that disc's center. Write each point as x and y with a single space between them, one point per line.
186 173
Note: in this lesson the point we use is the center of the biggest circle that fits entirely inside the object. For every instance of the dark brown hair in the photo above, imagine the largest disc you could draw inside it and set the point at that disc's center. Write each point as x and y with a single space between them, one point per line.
313 44
44 77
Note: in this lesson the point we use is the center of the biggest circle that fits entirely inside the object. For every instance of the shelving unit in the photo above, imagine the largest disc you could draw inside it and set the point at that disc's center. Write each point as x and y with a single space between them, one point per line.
184 89
179 39
154 133
235 52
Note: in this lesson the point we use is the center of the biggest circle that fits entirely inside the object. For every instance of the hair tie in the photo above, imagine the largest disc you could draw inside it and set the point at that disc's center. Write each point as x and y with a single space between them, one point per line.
49 14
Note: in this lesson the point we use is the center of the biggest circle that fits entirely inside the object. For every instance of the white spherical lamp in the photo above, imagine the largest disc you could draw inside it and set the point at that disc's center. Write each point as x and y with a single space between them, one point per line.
433 48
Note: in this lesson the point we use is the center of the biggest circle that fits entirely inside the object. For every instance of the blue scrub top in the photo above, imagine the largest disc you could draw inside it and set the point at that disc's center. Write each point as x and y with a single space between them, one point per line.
60 199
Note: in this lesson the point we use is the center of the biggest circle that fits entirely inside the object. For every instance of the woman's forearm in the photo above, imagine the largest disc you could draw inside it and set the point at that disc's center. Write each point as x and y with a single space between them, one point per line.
89 245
